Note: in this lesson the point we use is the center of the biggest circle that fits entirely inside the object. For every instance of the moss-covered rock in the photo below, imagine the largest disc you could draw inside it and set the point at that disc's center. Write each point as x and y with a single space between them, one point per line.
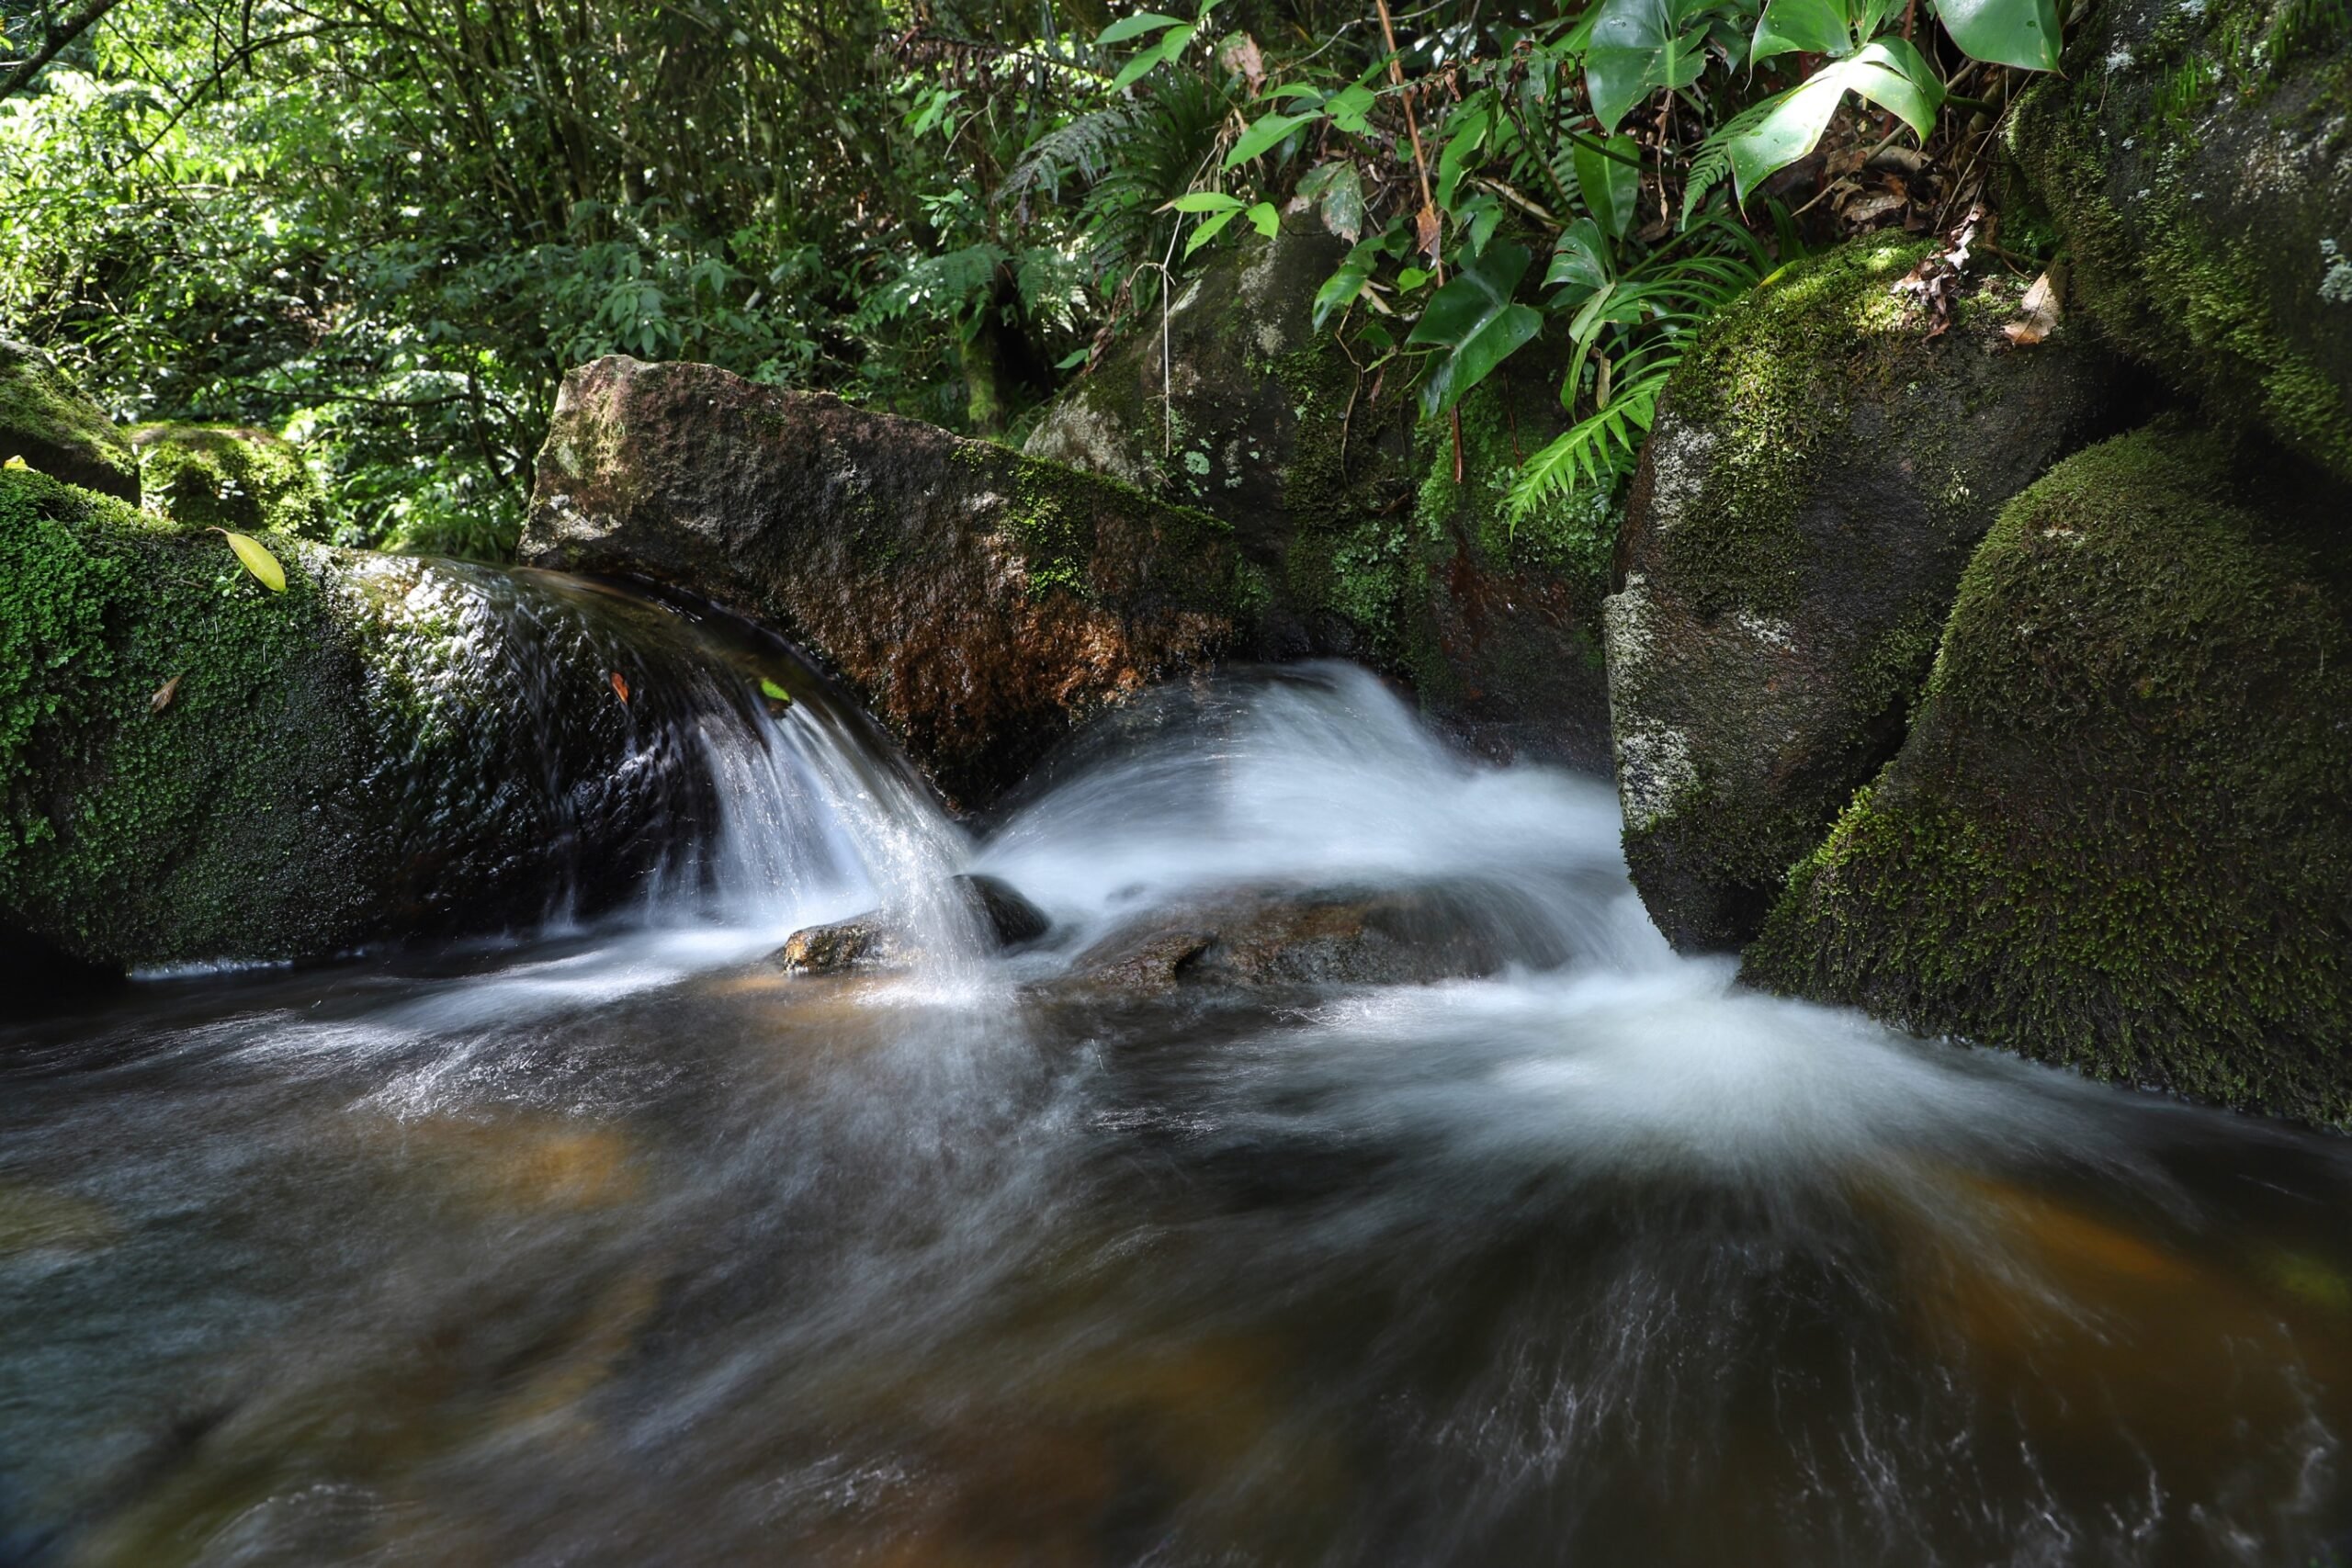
45 420
1821 466
978 601
1356 539
227 476
2198 159
194 768
2120 835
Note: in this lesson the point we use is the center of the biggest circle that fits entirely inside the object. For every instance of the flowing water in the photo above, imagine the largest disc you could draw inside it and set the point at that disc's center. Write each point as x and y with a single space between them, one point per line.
617 1245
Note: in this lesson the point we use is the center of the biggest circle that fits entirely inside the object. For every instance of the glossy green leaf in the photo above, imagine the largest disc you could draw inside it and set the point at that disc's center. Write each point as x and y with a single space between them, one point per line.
2023 33
1612 186
1801 26
257 559
1639 45
1580 261
1268 132
1135 70
774 693
1889 74
1136 26
1203 201
1474 319
1266 219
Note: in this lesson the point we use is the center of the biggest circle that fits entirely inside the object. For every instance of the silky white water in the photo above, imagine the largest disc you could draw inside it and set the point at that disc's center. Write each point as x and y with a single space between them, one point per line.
622 1245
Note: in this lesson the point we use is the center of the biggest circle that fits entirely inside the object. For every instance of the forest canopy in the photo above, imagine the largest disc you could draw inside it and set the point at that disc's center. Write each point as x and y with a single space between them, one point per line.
387 227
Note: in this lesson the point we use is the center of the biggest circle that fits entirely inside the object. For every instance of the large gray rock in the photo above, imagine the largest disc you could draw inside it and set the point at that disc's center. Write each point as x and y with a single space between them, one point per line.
1355 539
2198 159
1821 466
45 420
193 768
979 602
2120 835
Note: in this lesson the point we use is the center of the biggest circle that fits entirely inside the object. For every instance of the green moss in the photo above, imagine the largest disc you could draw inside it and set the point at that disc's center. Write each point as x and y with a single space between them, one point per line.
160 832
1772 379
54 428
228 477
2120 835
1056 516
2137 162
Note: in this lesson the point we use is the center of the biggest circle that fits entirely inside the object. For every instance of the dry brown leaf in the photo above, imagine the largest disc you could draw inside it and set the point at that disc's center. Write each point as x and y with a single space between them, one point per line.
166 693
1242 55
2040 318
620 687
1429 230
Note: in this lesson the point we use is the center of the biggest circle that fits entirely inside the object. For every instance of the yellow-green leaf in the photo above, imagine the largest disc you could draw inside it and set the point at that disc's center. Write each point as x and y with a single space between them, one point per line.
774 693
16 463
257 560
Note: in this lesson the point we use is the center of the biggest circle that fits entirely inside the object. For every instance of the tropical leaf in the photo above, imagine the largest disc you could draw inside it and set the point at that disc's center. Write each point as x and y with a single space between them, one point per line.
2023 33
1266 132
256 559
1888 73
1474 319
1610 177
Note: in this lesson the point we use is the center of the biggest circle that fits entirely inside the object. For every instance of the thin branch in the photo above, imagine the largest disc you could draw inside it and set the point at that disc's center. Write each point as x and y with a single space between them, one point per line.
60 35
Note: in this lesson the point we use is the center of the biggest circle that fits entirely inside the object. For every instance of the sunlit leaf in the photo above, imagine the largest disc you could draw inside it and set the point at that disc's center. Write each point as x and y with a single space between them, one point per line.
1801 26
1888 73
1266 219
257 560
16 463
1136 26
774 693
1203 201
2023 33
1474 319
1211 227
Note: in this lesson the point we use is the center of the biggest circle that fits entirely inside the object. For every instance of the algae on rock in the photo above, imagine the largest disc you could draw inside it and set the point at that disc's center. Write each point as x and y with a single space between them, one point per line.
2120 835
1822 463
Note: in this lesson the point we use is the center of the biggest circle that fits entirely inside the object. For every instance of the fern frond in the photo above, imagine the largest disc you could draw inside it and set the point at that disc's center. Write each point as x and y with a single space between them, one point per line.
1084 147
1596 452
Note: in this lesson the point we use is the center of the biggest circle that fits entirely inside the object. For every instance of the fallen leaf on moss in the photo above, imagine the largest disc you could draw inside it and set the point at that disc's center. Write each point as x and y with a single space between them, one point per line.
166 693
2040 318
257 560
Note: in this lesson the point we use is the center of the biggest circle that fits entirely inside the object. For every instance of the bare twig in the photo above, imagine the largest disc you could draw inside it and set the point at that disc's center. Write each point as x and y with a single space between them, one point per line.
60 35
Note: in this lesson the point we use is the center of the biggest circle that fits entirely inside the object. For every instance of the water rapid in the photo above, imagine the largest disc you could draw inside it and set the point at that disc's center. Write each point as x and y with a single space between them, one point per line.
619 1245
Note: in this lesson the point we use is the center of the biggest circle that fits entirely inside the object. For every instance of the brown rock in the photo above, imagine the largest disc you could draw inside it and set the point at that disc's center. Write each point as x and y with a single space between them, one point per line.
978 601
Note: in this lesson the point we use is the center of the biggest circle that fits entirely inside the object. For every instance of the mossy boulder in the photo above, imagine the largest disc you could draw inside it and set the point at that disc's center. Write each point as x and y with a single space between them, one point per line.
2120 835
2198 159
193 768
1823 462
45 420
229 475
979 602
1355 539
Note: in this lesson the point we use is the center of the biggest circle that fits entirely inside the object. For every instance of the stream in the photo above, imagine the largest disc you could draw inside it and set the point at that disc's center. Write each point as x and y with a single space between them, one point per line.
609 1242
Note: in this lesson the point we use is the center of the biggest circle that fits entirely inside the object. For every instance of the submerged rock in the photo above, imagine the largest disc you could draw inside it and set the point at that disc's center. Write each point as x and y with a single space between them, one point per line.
2120 835
45 420
2197 159
1355 539
227 476
1819 471
978 601
1260 939
193 768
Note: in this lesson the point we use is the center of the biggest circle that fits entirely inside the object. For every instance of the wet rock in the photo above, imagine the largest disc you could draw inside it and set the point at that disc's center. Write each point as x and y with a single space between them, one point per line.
861 941
45 420
979 602
223 476
1281 939
2119 834
2198 161
193 768
878 939
1009 918
1355 539
1820 469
